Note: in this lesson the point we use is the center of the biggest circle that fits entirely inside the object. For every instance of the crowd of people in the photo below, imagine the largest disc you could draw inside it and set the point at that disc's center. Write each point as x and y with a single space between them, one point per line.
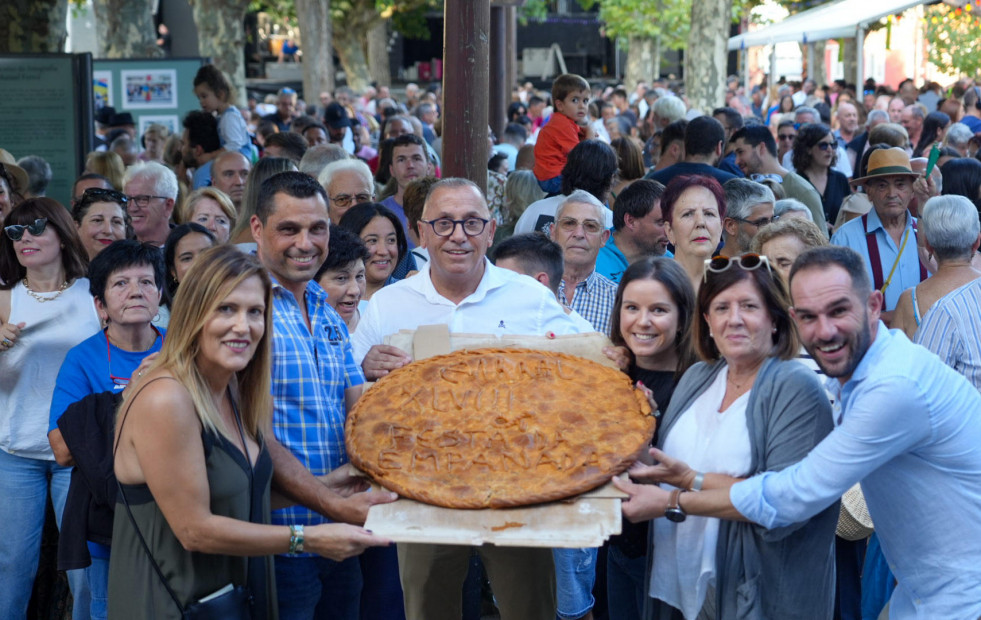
792 277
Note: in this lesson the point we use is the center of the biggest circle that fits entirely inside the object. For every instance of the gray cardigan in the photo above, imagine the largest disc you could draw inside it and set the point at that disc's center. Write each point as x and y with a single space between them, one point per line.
785 572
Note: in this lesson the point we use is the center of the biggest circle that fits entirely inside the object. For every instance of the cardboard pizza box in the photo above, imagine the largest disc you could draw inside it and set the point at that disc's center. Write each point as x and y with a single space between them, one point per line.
584 521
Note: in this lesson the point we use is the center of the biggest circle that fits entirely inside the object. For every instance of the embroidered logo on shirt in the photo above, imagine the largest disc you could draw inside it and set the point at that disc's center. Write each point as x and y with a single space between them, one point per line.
501 325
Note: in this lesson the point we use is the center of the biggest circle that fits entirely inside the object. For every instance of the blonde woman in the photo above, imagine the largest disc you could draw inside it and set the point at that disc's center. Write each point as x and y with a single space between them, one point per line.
211 208
193 468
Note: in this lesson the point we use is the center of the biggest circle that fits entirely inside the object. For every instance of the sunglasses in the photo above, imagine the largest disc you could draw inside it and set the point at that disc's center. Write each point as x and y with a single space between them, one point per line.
99 193
16 231
746 262
825 146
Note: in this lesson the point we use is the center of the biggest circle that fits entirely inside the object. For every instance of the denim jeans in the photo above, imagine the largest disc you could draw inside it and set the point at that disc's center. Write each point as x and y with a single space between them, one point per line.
575 574
97 575
315 587
625 585
24 487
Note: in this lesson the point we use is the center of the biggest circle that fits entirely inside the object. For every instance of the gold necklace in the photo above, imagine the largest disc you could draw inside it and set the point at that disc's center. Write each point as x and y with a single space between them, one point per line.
41 299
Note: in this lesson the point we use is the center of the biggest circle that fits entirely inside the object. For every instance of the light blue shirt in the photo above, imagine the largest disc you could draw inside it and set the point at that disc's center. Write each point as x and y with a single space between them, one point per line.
852 235
611 263
952 330
908 428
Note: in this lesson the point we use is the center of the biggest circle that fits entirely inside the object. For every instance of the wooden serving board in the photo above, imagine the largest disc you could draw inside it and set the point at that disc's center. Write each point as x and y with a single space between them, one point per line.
585 521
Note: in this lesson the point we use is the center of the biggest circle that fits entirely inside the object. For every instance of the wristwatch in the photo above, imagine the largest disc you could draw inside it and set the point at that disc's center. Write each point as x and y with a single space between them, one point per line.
675 512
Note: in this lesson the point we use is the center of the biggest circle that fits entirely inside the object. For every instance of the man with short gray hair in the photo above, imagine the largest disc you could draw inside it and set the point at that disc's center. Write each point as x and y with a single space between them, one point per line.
152 191
39 175
749 207
958 137
579 228
348 182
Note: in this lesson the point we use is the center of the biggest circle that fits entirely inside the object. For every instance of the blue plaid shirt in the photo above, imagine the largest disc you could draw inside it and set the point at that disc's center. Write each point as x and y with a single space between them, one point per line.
593 300
309 376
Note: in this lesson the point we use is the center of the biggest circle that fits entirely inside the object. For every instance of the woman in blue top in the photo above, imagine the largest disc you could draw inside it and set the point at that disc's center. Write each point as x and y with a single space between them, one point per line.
126 280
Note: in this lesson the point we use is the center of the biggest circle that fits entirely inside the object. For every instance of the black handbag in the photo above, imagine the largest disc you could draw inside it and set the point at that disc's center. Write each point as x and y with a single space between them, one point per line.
234 603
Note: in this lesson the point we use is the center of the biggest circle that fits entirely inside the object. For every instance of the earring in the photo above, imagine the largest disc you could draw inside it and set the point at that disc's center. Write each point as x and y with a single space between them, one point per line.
774 330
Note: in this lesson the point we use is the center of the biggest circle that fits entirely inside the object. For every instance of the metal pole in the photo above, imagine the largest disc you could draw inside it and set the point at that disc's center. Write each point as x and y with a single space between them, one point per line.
860 59
465 89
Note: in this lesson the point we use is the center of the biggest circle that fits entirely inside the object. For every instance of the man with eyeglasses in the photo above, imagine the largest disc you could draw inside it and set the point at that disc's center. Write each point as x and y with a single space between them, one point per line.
348 182
756 154
461 288
749 207
152 191
579 230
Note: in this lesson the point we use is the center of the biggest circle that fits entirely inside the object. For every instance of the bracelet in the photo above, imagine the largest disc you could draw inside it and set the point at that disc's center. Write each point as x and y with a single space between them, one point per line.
296 539
696 484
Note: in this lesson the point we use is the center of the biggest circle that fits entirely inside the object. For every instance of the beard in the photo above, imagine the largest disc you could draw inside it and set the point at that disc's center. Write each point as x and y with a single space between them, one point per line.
857 344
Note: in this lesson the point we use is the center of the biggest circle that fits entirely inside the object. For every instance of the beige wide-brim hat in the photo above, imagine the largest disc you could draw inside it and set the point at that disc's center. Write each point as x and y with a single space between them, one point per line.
17 174
887 163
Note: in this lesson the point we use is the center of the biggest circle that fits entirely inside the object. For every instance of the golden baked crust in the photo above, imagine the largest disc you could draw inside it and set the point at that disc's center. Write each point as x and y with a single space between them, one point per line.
491 428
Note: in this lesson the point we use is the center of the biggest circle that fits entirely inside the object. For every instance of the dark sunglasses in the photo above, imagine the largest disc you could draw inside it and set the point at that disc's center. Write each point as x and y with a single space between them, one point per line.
98 194
825 146
16 231
746 262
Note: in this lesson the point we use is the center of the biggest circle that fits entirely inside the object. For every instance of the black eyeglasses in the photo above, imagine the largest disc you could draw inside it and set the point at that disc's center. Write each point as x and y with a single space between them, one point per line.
747 262
98 194
444 226
786 136
825 146
143 200
16 231
759 222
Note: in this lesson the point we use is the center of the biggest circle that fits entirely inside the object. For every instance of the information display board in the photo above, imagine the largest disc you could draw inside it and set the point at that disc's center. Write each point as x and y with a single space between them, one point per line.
46 109
151 90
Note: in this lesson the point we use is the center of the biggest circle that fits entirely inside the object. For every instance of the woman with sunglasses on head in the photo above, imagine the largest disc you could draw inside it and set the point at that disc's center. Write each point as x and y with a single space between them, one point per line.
815 152
693 207
126 281
101 218
748 407
45 310
652 319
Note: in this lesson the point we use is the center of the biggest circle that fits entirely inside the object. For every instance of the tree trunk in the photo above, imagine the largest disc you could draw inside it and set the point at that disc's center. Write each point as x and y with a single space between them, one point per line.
640 61
221 36
705 58
819 71
318 57
349 47
125 29
33 26
378 54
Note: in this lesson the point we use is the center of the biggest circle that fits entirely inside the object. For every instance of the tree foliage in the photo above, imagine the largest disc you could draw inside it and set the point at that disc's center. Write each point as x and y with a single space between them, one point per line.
955 34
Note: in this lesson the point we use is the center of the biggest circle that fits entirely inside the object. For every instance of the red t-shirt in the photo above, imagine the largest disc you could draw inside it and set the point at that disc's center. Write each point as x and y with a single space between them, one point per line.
559 136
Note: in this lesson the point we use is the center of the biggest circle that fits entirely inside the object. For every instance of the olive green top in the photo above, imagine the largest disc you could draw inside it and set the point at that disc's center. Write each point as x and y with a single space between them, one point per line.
135 589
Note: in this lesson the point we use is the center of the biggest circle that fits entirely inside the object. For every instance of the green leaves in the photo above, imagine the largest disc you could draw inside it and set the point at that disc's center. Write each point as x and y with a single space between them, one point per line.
955 37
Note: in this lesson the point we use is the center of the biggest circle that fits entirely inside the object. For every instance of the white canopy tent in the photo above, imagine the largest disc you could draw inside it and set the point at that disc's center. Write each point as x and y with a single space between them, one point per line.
835 20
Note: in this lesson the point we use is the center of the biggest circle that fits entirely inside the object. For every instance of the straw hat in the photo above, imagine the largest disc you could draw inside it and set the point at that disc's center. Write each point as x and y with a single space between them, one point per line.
887 163
17 174
854 521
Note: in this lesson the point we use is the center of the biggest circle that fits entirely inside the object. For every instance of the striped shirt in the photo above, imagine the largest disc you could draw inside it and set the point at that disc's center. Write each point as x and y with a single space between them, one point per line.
952 330
593 300
311 370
